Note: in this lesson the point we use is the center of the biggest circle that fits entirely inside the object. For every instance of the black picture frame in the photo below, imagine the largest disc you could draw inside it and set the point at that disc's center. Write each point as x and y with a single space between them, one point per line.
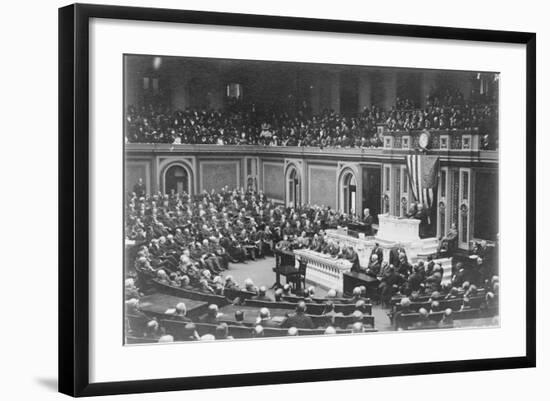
74 198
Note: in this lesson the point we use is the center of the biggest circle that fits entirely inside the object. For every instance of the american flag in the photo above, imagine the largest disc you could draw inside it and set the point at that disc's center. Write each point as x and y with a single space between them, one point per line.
422 171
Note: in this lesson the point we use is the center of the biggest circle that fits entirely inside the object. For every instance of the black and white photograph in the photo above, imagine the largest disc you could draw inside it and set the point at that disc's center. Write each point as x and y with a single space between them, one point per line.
278 199
275 201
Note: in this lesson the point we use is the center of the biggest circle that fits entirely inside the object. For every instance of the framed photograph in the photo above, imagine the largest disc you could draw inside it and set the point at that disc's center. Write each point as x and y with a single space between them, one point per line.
250 199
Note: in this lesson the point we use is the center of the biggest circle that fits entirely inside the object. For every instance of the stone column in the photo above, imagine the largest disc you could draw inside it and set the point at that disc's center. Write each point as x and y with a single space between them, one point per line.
335 91
132 82
389 85
464 83
315 94
180 90
427 82
216 93
365 90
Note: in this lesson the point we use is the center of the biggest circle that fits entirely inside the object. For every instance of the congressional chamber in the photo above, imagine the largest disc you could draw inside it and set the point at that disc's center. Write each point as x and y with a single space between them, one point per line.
325 200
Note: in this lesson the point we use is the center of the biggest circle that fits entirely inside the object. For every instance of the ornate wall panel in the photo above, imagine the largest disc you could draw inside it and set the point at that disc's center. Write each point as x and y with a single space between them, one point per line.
217 174
322 185
274 180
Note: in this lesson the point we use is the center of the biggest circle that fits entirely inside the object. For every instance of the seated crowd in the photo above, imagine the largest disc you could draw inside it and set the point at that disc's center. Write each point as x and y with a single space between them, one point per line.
219 324
399 277
246 125
207 231
188 242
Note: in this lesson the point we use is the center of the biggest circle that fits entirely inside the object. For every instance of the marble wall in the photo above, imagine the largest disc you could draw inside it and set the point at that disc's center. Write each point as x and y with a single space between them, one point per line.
322 185
274 180
217 174
133 172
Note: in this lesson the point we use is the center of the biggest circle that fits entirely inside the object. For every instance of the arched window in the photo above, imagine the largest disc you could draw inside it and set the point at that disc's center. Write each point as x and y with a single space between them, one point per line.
176 180
348 193
294 188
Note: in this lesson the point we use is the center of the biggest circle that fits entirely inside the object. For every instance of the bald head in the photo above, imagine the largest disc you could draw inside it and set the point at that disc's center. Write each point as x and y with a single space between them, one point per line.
357 327
166 339
301 307
181 309
405 302
258 331
264 313
213 310
208 337
330 330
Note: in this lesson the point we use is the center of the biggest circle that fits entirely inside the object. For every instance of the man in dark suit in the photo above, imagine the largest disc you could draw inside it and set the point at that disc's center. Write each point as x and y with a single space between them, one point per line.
353 257
299 319
390 283
265 319
139 188
404 268
181 313
405 309
422 215
212 316
378 252
239 318
415 279
374 266
449 243
368 220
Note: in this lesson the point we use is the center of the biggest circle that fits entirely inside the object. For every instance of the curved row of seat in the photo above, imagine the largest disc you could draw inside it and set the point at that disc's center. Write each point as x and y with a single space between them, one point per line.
406 321
454 304
137 329
424 298
311 308
317 307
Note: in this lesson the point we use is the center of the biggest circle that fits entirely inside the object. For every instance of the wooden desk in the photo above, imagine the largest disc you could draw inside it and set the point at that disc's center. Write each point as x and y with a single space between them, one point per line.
359 227
158 304
355 279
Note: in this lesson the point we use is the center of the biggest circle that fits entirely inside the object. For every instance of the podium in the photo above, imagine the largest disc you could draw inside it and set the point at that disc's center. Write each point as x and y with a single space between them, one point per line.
396 229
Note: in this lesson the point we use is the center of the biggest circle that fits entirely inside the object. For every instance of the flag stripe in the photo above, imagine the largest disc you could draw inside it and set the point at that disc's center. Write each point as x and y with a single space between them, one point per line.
419 177
422 174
